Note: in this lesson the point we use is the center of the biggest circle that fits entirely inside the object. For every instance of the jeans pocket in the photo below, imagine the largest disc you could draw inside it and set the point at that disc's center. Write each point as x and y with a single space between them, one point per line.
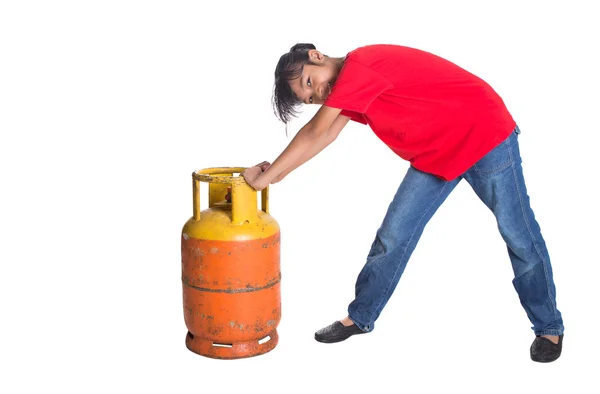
497 159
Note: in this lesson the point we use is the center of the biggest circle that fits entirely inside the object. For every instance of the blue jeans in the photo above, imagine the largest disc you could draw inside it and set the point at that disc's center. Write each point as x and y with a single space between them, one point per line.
498 181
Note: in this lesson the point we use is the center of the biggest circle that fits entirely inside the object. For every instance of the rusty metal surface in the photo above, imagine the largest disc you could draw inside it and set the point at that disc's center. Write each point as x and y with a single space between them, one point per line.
230 261
211 175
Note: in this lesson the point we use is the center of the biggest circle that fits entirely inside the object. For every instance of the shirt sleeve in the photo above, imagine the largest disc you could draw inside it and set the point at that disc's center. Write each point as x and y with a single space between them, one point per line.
355 116
356 88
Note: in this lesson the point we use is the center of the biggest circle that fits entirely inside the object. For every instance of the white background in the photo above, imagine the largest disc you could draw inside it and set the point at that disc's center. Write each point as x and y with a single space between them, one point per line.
107 107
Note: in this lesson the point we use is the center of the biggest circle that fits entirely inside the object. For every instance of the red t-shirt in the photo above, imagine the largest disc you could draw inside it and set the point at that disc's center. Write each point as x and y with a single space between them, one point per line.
429 111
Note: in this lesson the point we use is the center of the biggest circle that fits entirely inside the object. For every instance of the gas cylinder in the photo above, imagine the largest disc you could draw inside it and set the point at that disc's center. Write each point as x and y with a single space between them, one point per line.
230 262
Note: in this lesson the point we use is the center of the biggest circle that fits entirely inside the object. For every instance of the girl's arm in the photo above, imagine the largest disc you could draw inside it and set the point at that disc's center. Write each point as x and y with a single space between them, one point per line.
334 130
310 140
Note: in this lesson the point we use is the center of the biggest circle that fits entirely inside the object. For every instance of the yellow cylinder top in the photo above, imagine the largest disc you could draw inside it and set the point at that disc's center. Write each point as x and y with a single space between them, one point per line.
233 214
216 224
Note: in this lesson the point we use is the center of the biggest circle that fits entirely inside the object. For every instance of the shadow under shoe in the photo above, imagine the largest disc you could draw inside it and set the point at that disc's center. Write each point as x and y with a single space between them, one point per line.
337 332
544 350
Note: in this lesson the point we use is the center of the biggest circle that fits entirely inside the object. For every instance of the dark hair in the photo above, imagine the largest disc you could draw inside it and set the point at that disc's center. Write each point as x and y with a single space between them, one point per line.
289 67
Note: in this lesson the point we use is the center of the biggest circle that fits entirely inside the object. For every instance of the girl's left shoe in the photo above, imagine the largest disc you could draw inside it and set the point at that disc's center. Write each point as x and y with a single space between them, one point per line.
544 350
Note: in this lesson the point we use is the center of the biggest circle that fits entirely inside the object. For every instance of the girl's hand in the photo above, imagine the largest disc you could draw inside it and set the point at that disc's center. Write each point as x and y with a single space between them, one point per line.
263 165
251 175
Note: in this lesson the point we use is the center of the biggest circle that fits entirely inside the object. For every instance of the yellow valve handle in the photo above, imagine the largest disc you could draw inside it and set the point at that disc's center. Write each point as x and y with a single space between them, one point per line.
243 196
208 175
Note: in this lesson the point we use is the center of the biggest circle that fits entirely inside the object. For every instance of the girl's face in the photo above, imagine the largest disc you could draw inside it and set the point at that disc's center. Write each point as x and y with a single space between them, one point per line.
314 85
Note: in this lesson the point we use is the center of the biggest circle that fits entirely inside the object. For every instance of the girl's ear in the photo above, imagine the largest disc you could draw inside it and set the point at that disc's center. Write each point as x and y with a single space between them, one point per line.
315 56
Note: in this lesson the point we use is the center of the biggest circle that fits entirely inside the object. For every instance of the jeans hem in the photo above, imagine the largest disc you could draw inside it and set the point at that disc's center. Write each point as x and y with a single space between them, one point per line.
549 332
365 328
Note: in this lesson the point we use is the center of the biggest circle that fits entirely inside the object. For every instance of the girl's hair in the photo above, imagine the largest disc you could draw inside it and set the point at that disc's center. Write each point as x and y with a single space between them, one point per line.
289 67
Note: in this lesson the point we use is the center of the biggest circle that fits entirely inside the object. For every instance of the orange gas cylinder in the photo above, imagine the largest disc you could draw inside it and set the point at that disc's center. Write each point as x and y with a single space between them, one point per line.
230 269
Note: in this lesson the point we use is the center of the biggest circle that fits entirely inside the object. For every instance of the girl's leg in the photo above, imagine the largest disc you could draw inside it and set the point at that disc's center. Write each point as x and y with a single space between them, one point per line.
498 180
418 197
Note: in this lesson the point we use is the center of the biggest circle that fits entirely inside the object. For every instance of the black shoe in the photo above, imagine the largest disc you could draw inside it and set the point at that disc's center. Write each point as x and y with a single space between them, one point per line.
544 350
337 332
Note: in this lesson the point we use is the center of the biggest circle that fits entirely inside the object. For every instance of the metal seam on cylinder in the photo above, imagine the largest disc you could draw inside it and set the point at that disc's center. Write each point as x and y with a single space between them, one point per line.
231 291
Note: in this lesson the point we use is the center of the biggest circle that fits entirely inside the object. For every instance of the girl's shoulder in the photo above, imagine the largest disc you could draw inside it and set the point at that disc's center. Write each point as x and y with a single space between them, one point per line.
367 54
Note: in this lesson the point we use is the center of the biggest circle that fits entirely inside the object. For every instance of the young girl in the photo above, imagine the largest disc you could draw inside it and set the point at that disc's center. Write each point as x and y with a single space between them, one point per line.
450 125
